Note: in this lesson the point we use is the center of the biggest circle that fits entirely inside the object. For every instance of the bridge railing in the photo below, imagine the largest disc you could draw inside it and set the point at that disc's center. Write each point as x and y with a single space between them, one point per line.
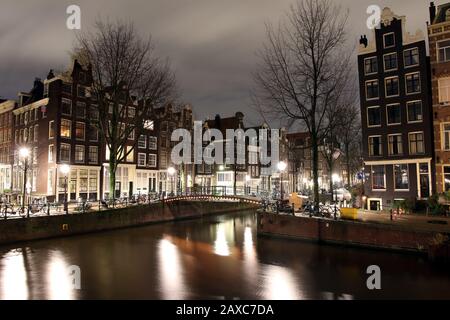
9 210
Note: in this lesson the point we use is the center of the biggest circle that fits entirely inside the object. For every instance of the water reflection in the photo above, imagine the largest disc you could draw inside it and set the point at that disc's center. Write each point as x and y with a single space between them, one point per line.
59 279
13 279
213 257
279 284
171 271
221 245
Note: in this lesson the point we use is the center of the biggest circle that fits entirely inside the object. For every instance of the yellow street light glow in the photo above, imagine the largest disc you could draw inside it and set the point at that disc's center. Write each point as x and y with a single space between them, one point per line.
65 169
171 171
24 152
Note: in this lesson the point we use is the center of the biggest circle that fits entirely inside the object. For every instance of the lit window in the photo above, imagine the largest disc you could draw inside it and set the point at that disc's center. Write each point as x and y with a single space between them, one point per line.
401 177
66 127
378 178
152 143
51 153
152 160
80 131
51 129
149 124
93 154
142 159
416 144
444 90
79 154
130 154
443 48
65 152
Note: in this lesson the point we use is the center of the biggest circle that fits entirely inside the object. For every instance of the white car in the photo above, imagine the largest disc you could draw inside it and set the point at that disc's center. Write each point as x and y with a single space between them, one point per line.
342 194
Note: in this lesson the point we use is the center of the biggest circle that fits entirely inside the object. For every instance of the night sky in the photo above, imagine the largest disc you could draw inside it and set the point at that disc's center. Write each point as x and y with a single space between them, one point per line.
212 43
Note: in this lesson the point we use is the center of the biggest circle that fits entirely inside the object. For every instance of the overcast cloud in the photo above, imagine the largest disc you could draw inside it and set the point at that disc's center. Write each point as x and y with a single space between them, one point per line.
211 43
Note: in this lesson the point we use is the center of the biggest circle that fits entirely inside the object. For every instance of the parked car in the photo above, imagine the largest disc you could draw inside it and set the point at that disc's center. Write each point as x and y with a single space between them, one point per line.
343 194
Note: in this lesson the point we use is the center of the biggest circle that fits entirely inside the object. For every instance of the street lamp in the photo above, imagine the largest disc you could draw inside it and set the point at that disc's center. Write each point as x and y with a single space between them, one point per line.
171 171
24 153
281 167
65 169
247 179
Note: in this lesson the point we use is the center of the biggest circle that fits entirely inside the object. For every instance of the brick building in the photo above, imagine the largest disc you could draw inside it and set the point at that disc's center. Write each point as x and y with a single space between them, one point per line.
439 43
396 114
6 144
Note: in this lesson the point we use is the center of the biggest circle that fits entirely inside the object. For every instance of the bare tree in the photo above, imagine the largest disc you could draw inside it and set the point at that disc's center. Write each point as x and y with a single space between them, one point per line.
125 71
350 139
304 67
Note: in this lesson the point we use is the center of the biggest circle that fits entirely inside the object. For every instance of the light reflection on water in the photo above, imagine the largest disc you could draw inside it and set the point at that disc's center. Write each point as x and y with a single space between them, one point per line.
214 257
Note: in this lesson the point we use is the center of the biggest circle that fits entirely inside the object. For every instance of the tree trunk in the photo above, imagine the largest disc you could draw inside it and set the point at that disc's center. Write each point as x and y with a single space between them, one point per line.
315 168
330 165
347 159
112 180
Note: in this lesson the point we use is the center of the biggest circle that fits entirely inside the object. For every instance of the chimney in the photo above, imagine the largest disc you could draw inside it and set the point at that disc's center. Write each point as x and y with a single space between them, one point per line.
217 121
432 12
363 41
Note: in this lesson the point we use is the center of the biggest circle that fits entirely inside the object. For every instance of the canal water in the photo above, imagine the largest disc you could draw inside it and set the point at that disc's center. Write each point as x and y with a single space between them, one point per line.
211 258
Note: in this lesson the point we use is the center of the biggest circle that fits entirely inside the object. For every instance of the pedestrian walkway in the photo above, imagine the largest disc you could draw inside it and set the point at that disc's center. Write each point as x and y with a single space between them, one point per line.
420 222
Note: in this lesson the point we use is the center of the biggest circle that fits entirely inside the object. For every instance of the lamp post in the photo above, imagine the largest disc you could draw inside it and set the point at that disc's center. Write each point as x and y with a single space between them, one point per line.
65 169
335 179
281 167
24 153
171 171
247 179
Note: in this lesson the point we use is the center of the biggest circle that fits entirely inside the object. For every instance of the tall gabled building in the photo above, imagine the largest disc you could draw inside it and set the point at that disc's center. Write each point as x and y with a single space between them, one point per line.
396 113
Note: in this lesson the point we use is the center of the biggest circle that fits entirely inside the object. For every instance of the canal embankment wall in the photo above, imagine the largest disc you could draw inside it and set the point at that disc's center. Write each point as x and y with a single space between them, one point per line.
346 232
34 228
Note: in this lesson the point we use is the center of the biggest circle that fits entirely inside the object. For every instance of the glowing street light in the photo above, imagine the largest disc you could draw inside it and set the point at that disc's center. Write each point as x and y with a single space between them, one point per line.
65 169
247 179
171 171
24 153
281 167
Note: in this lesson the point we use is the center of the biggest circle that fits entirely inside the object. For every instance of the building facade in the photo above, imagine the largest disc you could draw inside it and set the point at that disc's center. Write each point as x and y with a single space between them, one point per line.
6 145
439 43
396 114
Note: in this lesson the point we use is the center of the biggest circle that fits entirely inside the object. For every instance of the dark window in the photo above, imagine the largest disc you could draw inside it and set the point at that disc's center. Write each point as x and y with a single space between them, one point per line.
375 147
414 111
390 61
413 83
391 87
447 178
372 89
411 57
394 115
370 65
395 144
67 88
373 116
389 40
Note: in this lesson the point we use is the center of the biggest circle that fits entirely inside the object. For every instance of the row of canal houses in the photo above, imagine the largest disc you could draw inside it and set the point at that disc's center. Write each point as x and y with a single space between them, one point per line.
405 109
53 121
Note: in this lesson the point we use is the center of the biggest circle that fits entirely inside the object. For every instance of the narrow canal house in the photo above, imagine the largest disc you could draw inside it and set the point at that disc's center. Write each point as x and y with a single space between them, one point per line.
396 114
6 145
439 43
